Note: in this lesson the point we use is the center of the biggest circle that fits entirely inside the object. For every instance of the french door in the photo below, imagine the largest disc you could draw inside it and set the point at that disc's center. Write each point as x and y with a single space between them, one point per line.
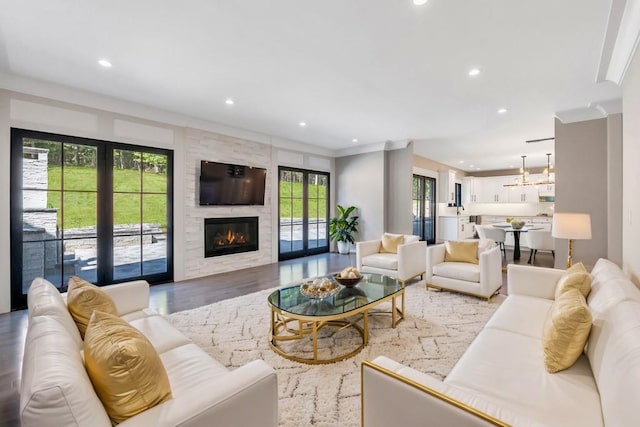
303 213
424 208
94 209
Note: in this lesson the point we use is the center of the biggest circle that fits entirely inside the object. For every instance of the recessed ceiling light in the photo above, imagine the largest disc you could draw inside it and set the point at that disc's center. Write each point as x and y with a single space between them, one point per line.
461 161
354 140
229 101
511 166
477 169
302 124
474 72
502 111
470 166
105 63
419 2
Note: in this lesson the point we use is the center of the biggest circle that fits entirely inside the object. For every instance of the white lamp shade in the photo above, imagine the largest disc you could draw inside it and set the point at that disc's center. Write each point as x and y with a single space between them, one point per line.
571 226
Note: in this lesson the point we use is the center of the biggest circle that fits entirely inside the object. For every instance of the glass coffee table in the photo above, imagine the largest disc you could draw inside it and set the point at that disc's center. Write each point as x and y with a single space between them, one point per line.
294 316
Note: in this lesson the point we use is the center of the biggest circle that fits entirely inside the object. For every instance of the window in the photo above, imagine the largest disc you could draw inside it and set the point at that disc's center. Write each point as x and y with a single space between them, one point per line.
95 209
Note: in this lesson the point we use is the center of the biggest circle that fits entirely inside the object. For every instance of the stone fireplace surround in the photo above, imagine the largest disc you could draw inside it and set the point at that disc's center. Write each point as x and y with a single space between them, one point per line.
201 145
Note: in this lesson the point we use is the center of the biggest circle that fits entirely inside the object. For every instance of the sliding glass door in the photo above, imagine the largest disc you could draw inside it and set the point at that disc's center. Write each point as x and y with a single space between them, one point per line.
303 212
94 209
424 208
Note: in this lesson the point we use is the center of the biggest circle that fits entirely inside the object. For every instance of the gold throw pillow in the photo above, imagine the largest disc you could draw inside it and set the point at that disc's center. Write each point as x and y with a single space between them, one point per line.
125 369
566 330
461 252
577 268
83 298
580 281
390 243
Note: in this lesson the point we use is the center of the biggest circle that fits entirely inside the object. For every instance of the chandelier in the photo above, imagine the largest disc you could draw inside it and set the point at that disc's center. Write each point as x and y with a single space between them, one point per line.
523 179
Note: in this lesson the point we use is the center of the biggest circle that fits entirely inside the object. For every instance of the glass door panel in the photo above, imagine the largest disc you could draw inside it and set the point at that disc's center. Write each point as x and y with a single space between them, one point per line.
303 201
139 214
59 211
423 208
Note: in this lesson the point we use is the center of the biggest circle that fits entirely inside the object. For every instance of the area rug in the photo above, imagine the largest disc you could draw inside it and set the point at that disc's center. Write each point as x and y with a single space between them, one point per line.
438 328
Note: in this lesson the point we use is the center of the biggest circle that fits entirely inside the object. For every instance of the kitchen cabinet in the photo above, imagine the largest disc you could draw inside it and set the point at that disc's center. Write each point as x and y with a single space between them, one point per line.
472 189
523 194
455 228
447 186
493 190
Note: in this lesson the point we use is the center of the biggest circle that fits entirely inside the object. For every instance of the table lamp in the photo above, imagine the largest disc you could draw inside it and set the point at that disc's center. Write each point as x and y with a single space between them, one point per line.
571 226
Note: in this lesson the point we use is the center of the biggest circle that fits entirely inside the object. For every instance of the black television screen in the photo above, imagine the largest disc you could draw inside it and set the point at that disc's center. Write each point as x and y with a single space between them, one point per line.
225 184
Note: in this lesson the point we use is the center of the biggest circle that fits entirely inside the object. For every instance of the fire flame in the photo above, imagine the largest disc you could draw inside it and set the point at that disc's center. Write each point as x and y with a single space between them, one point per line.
230 238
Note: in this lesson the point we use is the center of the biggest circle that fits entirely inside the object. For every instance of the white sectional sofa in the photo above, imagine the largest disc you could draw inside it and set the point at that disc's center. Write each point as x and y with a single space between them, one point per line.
56 390
501 378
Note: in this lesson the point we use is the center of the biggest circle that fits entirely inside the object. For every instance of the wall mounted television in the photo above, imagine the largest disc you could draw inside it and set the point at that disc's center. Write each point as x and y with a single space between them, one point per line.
226 184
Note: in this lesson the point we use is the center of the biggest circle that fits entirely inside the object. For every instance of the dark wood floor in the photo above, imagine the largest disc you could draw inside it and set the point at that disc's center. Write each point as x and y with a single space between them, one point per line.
172 297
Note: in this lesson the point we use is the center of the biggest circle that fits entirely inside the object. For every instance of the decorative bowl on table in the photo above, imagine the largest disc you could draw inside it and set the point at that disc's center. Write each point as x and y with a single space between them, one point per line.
346 281
319 288
349 277
517 225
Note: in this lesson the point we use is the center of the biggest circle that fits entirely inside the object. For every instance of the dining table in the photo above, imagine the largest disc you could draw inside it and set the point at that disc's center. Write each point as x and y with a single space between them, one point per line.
516 235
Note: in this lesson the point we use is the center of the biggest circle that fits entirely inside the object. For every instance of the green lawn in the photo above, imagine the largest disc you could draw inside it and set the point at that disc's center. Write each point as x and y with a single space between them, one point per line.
81 204
291 200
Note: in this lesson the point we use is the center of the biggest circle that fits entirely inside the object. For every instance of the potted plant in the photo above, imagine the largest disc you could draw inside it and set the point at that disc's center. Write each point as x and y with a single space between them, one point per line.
342 227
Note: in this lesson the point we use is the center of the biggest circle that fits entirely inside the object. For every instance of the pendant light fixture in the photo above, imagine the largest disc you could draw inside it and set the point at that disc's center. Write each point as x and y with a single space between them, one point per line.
523 179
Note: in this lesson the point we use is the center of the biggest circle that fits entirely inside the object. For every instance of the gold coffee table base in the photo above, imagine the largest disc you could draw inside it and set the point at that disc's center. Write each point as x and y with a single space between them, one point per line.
282 331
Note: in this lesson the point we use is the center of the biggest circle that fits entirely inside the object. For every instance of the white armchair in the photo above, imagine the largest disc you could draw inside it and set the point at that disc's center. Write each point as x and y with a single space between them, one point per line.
482 280
407 263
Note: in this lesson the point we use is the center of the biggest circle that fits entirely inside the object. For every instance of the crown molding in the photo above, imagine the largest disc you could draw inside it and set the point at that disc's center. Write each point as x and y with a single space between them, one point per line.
621 40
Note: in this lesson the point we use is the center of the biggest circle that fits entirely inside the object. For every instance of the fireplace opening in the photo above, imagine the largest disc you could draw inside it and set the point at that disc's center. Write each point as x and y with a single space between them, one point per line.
225 236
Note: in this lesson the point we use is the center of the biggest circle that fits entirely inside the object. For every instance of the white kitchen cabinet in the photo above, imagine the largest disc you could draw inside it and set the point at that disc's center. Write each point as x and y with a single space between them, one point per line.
472 188
523 194
455 228
493 190
447 186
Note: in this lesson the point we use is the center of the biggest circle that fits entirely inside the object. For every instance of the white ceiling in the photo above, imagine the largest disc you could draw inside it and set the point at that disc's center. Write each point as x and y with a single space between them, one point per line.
375 70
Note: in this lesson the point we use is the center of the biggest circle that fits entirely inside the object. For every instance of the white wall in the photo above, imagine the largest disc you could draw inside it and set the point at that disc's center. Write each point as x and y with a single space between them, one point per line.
398 190
5 226
614 188
362 183
581 185
631 170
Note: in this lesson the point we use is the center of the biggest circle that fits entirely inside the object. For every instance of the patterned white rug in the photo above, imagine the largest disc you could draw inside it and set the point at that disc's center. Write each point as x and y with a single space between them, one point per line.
438 327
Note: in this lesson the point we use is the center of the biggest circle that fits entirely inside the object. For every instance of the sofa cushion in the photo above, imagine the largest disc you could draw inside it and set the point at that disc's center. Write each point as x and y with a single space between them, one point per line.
55 386
390 242
188 366
410 238
159 331
614 355
574 280
461 251
44 299
385 261
83 298
125 369
458 270
507 368
565 330
521 314
609 287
